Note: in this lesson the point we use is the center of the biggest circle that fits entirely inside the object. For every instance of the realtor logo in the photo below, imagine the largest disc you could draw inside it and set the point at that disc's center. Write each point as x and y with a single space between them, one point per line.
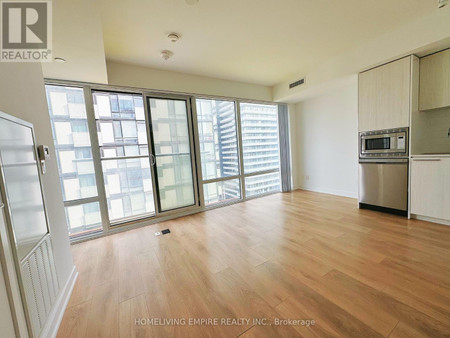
26 31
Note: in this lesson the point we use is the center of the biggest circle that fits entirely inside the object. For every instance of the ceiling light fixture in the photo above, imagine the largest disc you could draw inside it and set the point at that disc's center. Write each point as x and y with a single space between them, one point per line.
192 2
442 3
174 37
59 60
166 54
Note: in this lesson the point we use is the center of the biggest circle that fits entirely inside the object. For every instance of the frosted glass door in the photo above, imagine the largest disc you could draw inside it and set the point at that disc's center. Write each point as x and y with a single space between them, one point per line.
172 150
22 185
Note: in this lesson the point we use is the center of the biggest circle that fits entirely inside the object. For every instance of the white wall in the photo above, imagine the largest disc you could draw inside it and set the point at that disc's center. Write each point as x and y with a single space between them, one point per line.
325 142
22 95
122 74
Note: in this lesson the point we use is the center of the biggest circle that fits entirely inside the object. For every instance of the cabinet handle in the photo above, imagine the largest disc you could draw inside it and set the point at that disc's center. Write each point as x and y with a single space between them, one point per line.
427 159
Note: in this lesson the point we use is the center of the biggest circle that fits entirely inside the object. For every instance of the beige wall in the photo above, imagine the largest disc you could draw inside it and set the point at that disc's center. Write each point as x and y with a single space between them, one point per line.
324 134
77 37
22 95
143 77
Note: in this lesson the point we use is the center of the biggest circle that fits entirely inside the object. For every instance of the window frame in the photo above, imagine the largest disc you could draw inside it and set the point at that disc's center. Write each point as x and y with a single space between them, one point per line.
199 160
133 222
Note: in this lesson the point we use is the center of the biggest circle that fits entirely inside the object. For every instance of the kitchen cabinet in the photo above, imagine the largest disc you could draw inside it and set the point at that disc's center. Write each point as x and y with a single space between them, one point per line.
434 90
430 187
384 96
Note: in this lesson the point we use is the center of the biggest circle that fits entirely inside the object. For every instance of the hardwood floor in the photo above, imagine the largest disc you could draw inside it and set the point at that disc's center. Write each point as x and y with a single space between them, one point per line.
299 255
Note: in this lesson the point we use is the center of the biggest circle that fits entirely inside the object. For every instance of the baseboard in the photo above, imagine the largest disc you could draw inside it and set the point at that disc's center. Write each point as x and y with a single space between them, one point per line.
431 219
54 319
330 191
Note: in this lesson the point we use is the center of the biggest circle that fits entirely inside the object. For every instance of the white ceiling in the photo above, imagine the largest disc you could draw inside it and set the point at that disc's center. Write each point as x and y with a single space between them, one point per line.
255 41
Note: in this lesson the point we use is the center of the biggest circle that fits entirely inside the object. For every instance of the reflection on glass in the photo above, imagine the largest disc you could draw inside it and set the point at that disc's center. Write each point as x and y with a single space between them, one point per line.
259 125
83 218
22 185
262 184
218 138
122 133
120 124
72 142
73 147
172 151
175 181
223 191
128 186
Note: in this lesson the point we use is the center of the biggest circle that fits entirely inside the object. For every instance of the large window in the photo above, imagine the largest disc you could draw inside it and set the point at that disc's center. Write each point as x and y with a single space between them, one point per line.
260 148
122 137
222 170
219 151
74 156
132 156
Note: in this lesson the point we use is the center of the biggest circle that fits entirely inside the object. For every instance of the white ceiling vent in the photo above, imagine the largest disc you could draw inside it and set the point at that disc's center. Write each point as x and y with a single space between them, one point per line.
296 83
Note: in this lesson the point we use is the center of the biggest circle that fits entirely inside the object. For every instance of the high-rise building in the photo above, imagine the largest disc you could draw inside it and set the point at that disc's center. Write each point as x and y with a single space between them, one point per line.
220 148
260 147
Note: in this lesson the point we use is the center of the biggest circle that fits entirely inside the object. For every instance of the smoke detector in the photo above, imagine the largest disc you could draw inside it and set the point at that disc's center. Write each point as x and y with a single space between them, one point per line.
174 37
166 54
442 3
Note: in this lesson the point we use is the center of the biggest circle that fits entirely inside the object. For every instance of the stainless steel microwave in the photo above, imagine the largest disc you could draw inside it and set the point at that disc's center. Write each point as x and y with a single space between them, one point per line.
387 142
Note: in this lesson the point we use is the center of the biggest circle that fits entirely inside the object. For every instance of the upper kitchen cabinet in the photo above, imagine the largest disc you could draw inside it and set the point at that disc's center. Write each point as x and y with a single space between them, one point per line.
434 87
384 96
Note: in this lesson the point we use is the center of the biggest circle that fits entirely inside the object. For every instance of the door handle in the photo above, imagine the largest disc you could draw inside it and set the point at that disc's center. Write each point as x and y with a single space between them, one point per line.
2 205
426 159
152 160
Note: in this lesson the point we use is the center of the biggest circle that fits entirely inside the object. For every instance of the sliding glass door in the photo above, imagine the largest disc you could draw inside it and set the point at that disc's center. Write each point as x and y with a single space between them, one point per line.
124 155
172 145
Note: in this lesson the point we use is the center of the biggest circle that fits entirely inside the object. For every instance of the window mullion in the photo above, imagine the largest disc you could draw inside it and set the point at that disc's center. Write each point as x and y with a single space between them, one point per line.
221 179
196 142
81 201
153 172
96 156
256 173
240 148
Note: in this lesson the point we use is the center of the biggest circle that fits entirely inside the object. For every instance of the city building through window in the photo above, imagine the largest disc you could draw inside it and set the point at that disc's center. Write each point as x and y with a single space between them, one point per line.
131 156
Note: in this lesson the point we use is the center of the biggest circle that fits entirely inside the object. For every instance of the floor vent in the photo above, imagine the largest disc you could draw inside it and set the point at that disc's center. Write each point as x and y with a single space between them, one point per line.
162 232
296 83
